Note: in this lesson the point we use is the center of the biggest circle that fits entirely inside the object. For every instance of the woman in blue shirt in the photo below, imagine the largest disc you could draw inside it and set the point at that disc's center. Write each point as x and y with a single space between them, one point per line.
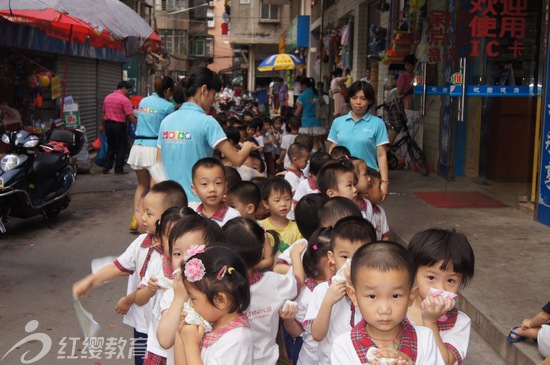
362 133
306 103
188 134
151 111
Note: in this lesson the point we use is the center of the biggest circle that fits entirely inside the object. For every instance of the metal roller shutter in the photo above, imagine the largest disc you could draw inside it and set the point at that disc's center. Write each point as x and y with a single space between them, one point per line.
81 85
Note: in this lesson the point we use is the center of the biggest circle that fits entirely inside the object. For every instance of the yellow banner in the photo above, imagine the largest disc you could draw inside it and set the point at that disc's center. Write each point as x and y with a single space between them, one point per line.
56 87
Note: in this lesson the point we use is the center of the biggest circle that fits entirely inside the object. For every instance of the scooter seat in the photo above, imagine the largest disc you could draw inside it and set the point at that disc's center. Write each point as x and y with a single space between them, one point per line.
48 163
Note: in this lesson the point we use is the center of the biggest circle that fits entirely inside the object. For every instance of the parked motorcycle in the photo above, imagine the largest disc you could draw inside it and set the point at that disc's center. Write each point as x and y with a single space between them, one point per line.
36 172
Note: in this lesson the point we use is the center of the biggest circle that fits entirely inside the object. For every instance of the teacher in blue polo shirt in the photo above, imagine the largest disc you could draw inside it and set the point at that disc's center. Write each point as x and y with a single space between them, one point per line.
189 134
362 133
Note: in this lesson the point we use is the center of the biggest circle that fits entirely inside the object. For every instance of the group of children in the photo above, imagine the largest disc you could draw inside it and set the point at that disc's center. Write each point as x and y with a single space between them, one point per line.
298 267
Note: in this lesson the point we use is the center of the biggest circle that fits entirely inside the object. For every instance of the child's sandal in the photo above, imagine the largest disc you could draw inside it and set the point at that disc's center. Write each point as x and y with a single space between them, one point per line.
514 337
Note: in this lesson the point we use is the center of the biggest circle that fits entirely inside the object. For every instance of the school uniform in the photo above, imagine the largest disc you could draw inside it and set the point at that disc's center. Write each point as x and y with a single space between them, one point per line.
268 292
222 215
165 303
305 187
159 265
294 177
287 140
230 344
308 353
284 257
133 261
417 342
366 209
454 329
343 317
380 222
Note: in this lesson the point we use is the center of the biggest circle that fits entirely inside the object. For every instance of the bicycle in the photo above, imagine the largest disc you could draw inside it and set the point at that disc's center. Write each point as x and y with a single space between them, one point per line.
396 120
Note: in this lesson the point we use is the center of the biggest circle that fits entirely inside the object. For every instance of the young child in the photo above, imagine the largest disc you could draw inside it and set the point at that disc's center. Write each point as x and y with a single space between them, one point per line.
294 123
299 158
180 230
382 277
269 146
536 328
217 283
262 212
209 185
362 186
135 259
309 185
335 209
277 198
317 270
245 198
337 179
254 129
278 133
255 162
445 262
330 312
268 290
376 197
339 152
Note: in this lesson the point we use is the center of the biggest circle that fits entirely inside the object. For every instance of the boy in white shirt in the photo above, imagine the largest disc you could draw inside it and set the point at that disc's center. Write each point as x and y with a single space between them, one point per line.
382 278
299 158
330 312
210 186
376 197
288 139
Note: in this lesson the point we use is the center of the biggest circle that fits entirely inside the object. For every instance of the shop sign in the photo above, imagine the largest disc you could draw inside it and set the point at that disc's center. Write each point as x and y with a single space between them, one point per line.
71 115
297 33
56 87
543 207
490 27
439 21
456 78
477 91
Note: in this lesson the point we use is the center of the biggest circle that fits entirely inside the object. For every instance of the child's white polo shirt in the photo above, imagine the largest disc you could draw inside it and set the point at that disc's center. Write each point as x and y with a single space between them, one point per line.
222 215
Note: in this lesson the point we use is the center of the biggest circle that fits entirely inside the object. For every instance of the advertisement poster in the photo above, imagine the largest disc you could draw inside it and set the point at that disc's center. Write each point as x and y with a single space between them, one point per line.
71 116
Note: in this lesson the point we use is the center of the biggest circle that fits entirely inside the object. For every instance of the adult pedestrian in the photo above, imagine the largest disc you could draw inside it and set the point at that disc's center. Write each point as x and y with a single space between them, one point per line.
276 89
405 82
305 108
151 111
188 134
283 93
116 108
361 132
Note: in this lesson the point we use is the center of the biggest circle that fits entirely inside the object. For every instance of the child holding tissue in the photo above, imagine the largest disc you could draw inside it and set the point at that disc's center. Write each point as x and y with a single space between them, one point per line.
445 263
217 282
330 312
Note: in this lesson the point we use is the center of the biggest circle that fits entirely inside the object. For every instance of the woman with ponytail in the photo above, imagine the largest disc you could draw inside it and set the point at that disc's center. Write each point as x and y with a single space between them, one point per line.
306 110
189 135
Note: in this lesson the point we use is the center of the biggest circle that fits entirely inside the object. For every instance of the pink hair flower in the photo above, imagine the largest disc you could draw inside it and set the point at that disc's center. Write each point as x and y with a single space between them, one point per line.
194 270
193 250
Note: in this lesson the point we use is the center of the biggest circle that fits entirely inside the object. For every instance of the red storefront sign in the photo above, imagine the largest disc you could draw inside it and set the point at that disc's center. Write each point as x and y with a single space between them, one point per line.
496 20
439 21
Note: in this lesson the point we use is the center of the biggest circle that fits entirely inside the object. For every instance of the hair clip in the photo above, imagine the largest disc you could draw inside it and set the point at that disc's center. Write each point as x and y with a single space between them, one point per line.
314 247
230 270
193 250
194 270
221 273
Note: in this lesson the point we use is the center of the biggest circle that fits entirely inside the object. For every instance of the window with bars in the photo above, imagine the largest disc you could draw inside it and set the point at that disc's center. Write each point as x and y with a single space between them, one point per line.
269 12
170 5
202 47
174 40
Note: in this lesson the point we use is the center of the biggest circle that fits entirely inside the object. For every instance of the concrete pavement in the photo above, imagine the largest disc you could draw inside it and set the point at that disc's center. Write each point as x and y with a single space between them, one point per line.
511 249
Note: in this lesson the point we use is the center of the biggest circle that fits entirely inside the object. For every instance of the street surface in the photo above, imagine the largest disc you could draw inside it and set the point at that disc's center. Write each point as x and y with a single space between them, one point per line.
38 265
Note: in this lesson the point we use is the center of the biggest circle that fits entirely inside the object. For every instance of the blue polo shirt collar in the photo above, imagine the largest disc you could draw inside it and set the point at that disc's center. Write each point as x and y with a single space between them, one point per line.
192 106
364 118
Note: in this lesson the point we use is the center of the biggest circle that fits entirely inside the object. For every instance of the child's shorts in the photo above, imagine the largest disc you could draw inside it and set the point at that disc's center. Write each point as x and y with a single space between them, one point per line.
543 340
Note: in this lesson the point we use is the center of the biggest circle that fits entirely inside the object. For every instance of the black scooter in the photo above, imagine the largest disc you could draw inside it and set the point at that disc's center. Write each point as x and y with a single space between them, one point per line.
36 173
